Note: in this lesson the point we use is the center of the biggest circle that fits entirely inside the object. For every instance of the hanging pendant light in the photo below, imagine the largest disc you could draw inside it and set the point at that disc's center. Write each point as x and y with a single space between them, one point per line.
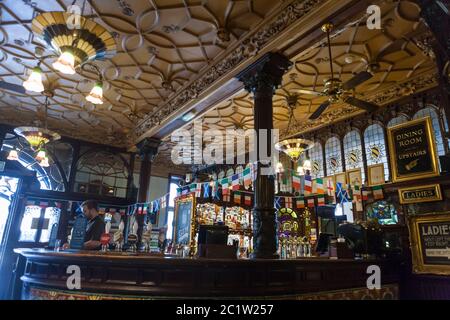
96 95
44 163
13 155
40 155
91 41
34 81
65 63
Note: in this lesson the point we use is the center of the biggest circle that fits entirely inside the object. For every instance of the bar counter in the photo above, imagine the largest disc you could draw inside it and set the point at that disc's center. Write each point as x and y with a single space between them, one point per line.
42 274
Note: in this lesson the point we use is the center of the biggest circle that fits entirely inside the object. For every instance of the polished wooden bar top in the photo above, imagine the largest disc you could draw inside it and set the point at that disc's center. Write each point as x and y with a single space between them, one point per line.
167 258
146 274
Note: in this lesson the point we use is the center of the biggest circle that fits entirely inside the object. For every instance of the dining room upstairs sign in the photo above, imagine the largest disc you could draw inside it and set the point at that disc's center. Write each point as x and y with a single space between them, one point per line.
413 150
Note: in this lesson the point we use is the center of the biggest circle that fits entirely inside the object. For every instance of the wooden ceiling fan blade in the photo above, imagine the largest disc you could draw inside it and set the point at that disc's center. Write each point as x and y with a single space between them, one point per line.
310 92
368 106
316 114
357 80
12 87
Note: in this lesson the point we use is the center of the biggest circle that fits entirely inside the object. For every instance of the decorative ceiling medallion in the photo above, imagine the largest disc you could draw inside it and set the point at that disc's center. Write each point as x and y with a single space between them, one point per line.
248 48
90 42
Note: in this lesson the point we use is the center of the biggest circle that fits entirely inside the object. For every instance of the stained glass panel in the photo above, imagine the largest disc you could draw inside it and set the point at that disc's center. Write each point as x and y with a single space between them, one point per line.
398 120
430 112
51 217
353 152
29 225
333 155
376 147
316 156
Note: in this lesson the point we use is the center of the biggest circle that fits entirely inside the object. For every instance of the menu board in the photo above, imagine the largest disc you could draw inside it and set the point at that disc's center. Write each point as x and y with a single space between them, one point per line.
183 219
435 242
78 233
430 243
412 150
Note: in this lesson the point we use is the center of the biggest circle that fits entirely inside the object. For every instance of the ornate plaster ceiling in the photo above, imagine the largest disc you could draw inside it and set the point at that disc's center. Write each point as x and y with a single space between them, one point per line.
162 44
406 65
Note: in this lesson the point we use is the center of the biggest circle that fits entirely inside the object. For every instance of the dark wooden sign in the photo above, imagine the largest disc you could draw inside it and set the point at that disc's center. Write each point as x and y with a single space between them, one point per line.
413 150
419 194
78 233
430 243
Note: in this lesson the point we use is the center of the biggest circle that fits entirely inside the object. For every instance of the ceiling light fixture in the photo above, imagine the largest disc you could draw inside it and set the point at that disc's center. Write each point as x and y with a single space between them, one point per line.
188 116
96 94
65 63
37 139
89 41
13 155
34 81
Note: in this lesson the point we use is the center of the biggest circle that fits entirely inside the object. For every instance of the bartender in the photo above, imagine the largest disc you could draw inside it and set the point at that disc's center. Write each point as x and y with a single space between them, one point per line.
95 227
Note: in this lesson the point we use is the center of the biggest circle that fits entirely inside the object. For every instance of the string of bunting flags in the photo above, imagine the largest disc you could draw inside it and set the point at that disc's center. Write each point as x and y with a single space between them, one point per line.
312 192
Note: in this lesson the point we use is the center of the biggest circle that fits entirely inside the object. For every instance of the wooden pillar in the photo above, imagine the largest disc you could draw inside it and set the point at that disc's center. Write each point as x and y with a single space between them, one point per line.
436 15
148 149
261 79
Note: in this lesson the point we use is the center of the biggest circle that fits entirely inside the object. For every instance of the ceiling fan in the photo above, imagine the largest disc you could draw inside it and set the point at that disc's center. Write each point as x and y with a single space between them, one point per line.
337 91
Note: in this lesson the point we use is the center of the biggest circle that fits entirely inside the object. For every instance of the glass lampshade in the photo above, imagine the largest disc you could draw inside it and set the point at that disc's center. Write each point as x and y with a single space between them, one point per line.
13 155
96 95
307 165
34 81
65 63
40 155
44 162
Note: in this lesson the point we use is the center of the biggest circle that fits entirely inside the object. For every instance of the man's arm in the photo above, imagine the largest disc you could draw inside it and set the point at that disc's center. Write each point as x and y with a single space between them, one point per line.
92 244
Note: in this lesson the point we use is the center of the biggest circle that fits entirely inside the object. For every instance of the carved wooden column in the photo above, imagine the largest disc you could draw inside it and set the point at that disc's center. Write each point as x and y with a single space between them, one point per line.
436 15
261 79
148 149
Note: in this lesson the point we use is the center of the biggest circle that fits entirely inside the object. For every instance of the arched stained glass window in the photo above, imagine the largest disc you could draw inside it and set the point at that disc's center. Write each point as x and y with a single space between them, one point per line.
333 155
102 172
353 152
376 147
316 157
431 112
51 177
398 120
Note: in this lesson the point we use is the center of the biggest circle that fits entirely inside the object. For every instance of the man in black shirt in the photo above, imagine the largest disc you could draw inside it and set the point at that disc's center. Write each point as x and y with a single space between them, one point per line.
95 227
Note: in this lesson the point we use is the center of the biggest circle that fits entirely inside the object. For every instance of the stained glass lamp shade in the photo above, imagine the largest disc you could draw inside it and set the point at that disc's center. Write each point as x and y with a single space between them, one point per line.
37 137
294 148
74 46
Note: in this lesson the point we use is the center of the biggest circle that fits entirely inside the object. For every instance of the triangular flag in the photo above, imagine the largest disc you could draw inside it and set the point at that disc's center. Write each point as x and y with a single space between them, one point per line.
277 203
248 199
321 200
206 190
296 183
319 186
247 177
365 195
237 197
288 202
378 192
308 184
235 182
300 203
